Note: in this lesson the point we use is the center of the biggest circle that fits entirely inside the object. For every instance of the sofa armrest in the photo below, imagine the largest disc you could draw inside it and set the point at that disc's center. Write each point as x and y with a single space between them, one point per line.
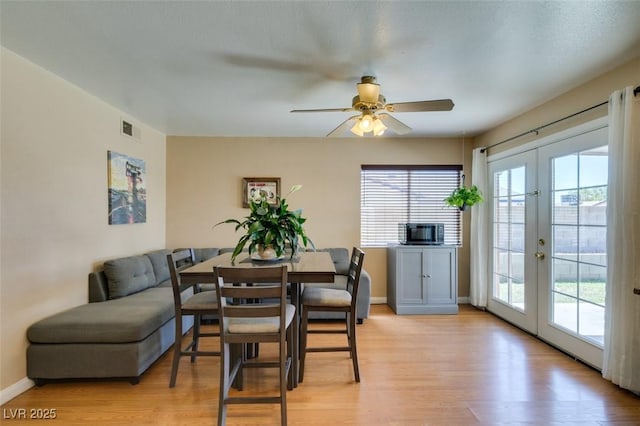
98 287
363 304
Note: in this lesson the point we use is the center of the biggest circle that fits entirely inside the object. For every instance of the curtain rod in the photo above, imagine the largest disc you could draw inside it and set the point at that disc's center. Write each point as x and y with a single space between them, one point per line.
537 129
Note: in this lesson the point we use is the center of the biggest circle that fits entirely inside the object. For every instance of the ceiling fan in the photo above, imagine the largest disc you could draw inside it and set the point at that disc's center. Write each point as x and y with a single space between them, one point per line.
369 101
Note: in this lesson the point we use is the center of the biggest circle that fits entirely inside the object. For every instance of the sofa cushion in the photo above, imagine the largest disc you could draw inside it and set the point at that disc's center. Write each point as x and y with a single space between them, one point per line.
123 320
340 257
158 260
202 254
129 275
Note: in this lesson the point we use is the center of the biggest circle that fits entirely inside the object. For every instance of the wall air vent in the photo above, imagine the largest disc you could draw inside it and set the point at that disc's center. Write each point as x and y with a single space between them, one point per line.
127 128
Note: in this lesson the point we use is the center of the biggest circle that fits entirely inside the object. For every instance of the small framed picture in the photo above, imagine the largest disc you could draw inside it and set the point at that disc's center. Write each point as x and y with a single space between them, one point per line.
269 186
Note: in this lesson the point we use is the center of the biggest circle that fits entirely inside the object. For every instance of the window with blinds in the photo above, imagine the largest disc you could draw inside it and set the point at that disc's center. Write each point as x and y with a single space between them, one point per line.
391 195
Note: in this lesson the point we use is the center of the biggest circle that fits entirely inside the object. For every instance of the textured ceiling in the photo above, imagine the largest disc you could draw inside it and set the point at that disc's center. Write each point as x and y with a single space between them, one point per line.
222 68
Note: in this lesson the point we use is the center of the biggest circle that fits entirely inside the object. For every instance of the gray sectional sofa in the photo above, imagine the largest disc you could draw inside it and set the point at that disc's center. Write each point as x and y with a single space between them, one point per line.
127 325
129 320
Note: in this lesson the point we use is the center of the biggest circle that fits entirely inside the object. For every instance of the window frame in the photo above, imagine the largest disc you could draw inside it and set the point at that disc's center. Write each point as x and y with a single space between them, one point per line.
435 182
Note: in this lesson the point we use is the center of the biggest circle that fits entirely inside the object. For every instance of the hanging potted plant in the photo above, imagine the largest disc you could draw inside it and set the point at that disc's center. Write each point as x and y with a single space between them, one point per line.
270 228
464 197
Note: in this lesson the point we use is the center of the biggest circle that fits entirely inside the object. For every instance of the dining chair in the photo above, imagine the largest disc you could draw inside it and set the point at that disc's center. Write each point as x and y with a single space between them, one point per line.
244 321
333 300
188 300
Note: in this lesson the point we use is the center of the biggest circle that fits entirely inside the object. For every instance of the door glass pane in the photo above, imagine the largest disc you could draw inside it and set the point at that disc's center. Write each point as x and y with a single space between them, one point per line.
517 186
517 293
592 242
591 322
566 207
501 262
565 276
501 209
593 206
592 283
501 237
565 311
502 288
517 237
594 167
501 180
565 172
566 242
517 266
578 246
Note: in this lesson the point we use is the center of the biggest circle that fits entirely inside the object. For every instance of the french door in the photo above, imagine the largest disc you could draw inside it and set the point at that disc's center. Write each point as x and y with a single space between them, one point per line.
514 294
548 246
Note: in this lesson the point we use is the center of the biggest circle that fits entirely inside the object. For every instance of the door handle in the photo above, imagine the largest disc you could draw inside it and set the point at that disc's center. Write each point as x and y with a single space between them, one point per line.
539 255
636 291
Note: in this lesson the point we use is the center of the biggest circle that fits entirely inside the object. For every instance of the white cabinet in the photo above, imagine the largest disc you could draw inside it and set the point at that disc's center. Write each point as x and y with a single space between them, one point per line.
422 280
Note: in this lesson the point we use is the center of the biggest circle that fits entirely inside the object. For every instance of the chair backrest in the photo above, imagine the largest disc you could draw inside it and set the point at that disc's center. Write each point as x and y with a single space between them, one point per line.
353 275
178 261
245 286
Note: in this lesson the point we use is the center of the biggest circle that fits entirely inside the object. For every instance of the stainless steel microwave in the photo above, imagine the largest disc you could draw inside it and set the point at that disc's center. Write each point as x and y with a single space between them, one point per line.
421 233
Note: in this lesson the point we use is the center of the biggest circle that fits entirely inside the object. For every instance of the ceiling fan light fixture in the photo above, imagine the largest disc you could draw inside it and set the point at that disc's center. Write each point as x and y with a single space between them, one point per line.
378 127
356 130
366 122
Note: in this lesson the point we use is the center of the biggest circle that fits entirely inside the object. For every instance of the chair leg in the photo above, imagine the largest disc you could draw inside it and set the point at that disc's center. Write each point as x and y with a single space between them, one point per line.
348 332
196 337
303 343
283 385
177 349
352 345
225 359
290 356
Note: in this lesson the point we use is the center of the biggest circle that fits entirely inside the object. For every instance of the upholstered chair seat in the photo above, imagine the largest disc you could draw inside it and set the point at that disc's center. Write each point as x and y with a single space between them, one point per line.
316 296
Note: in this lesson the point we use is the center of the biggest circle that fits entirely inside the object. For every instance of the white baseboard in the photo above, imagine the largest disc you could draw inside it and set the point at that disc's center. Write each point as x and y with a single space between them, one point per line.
383 300
7 394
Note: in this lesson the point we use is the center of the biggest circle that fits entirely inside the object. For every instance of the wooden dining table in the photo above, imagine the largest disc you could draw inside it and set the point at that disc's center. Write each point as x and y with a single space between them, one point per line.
305 267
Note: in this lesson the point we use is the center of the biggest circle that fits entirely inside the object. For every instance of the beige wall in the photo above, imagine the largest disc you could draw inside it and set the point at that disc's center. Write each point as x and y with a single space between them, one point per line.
204 186
584 96
54 230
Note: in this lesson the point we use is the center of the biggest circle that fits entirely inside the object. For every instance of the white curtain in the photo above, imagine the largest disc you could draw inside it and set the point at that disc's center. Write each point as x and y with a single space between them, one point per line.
621 363
479 232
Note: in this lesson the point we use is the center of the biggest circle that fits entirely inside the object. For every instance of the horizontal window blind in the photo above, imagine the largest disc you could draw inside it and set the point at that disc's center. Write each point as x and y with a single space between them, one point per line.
391 195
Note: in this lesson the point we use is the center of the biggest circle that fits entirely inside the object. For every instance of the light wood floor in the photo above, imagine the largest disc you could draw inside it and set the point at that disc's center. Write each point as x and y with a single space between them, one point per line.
463 369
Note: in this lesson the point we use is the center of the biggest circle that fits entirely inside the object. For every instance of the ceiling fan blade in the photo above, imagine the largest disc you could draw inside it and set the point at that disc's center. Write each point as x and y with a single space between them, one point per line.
394 124
434 105
323 110
346 124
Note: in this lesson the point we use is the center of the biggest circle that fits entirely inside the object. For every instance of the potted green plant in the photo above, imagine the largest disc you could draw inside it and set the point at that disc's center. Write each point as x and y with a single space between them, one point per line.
464 197
270 228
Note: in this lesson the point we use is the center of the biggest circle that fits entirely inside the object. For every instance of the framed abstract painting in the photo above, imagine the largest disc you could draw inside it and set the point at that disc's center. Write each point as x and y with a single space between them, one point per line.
127 189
